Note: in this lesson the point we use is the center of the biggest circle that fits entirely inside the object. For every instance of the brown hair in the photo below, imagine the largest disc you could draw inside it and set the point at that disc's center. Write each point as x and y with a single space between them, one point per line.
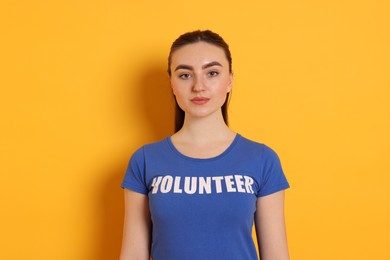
194 37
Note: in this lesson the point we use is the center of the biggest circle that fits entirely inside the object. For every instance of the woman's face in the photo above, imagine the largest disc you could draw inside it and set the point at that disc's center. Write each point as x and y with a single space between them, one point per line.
200 79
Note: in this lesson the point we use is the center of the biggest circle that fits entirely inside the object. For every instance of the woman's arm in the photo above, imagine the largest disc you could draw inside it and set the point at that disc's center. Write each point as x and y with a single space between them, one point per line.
137 227
270 227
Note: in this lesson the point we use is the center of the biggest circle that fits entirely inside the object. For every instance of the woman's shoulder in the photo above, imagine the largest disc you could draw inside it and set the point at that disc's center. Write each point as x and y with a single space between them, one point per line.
259 148
152 146
156 144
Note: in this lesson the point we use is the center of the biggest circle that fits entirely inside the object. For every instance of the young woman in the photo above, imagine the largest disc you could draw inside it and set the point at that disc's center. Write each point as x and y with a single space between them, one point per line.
196 194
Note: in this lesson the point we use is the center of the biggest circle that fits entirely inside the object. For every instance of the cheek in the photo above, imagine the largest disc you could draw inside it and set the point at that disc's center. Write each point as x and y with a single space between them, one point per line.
224 87
177 91
180 88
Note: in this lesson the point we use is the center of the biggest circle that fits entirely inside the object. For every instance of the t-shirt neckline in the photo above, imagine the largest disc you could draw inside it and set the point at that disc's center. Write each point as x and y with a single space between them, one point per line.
183 156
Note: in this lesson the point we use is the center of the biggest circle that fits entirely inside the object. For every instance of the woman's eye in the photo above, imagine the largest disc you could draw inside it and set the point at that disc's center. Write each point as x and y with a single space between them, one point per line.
185 76
213 73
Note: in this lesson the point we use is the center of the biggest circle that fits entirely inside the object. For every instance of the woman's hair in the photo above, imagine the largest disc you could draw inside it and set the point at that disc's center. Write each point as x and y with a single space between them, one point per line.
194 37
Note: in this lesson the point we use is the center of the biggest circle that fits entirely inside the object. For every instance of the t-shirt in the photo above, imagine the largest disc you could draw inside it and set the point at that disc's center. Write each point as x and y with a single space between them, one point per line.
204 208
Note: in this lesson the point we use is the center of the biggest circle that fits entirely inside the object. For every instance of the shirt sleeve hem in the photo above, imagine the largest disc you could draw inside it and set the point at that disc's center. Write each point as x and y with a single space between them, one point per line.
135 188
274 189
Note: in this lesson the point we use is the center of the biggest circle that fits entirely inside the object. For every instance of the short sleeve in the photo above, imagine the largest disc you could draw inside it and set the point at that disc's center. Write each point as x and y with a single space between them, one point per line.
272 177
134 178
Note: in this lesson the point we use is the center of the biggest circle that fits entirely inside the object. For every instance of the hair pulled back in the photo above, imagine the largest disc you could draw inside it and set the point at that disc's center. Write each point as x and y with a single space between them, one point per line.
194 37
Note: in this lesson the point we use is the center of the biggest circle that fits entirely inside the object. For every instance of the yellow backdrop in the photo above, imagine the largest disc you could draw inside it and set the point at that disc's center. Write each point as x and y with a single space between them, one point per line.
83 84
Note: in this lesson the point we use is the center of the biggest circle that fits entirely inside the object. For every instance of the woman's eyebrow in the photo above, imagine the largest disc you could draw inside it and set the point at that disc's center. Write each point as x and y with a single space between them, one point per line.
188 67
213 63
184 67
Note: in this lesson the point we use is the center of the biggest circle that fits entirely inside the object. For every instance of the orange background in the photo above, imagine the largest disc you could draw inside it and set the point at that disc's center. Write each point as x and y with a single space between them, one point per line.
84 84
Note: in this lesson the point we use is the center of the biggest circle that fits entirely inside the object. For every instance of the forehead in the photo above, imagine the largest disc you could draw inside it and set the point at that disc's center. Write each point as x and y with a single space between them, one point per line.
199 53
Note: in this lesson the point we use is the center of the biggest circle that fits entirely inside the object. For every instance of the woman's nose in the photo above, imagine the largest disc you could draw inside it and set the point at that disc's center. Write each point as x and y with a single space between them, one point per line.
198 85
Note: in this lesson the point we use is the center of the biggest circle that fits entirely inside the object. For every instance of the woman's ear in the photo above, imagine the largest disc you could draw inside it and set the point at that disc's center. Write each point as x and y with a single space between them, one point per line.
231 79
170 83
170 86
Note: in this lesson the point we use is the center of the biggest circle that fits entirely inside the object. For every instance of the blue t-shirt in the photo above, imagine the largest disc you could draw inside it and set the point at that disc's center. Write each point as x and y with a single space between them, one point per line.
204 208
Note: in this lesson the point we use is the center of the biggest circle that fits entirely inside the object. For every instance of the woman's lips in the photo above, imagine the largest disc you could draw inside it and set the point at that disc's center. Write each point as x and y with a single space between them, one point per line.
199 100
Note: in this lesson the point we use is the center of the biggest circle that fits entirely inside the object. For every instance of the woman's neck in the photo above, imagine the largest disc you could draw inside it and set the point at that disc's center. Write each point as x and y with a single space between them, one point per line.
205 130
203 137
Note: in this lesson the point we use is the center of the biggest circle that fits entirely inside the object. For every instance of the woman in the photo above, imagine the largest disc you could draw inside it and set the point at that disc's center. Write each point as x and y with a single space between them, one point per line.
195 194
